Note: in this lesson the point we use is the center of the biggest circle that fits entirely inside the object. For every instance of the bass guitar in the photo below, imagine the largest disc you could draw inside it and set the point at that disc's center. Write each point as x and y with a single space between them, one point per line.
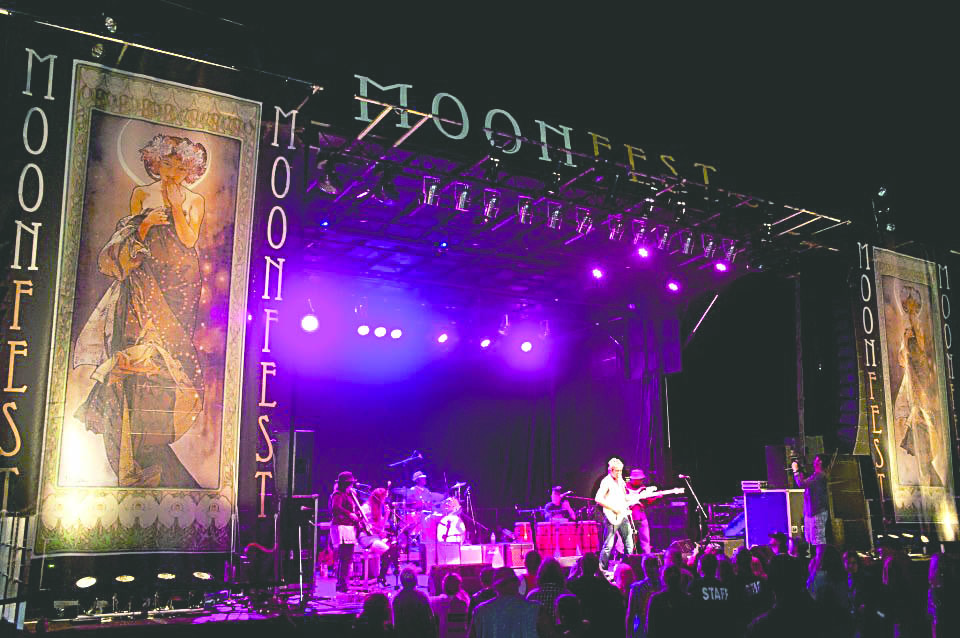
635 498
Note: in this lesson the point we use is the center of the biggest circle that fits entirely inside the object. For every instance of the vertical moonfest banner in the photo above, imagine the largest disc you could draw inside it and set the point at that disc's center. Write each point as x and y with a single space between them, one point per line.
143 410
906 381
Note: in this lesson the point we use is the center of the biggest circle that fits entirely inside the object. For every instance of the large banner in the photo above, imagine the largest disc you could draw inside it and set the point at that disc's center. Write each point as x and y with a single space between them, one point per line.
144 406
906 380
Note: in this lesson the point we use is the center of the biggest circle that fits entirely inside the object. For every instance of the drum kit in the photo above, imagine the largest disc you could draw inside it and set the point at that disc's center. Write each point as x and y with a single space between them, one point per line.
417 508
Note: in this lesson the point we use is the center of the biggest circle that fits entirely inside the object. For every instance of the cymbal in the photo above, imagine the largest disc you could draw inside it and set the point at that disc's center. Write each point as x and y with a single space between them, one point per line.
399 491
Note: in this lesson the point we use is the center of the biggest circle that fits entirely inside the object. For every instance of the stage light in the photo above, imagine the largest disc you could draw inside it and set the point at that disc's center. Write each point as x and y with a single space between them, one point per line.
309 323
584 221
686 242
166 576
431 191
673 285
491 205
524 209
328 181
484 343
325 223
363 331
709 245
396 333
555 181
504 326
443 338
597 273
924 539
461 196
385 191
729 249
203 575
526 346
554 215
85 582
882 191
639 231
643 252
617 226
125 578
721 267
661 235
380 331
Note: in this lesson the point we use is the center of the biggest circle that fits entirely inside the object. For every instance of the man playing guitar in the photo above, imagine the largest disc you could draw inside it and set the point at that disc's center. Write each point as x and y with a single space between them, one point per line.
636 484
612 497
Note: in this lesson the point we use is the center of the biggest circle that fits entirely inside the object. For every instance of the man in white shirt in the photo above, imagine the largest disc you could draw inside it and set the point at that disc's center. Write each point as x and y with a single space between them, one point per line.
612 497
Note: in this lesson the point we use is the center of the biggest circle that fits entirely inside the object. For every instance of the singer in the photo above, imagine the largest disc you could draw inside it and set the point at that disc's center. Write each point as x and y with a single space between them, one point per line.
343 531
558 508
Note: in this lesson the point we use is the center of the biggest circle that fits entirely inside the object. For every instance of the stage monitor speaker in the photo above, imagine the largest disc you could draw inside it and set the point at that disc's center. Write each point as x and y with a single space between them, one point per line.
470 574
770 511
848 506
302 474
669 521
777 461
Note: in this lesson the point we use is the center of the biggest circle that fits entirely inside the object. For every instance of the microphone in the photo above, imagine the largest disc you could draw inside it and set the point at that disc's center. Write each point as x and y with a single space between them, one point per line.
416 455
684 476
567 493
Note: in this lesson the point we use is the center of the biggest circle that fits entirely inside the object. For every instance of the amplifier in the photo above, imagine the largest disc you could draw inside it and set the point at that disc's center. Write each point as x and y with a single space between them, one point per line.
469 573
769 511
513 553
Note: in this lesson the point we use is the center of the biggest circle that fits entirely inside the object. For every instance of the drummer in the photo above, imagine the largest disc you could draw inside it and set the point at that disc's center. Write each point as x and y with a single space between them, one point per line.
419 497
558 510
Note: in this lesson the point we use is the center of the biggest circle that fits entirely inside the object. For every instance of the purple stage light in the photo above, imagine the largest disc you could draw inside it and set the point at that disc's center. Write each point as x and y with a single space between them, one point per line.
363 331
526 346
597 273
380 331
643 252
673 286
720 267
309 323
396 333
443 338
485 343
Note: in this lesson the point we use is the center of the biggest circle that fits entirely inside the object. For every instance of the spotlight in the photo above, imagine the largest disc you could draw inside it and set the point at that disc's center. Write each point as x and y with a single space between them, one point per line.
639 231
554 215
491 204
166 576
309 323
643 252
443 338
686 242
729 249
882 191
380 331
597 273
461 196
328 181
709 245
85 582
431 191
125 578
524 213
673 285
202 575
584 221
721 267
396 333
526 346
363 331
484 343
661 235
617 226
385 191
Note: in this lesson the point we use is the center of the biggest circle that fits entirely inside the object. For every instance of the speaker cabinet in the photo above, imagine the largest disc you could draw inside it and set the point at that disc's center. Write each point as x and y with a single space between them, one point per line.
669 521
469 573
770 511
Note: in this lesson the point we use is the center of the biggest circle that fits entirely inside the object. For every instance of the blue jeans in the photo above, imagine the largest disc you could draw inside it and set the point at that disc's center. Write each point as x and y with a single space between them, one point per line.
610 537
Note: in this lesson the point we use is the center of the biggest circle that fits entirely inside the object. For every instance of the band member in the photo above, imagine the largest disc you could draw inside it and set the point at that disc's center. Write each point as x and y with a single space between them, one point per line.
816 510
376 511
635 484
344 526
419 496
559 509
612 497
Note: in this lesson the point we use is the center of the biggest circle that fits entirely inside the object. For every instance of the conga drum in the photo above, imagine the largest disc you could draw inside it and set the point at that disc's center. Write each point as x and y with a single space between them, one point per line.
568 538
546 539
522 532
589 536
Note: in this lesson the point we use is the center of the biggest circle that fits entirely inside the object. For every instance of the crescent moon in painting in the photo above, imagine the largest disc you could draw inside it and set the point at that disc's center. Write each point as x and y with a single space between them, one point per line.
140 178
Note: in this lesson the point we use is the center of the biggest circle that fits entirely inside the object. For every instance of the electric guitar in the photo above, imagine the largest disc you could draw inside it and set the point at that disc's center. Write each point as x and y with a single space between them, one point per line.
633 499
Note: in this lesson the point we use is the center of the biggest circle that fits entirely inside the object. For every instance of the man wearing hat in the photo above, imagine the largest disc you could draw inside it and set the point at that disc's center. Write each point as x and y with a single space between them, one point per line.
419 497
636 483
558 508
343 527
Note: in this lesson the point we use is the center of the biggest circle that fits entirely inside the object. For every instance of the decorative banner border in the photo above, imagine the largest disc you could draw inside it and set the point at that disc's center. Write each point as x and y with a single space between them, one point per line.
98 519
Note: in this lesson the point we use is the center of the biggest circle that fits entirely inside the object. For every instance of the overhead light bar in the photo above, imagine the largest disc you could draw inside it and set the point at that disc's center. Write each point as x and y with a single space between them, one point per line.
524 209
709 245
686 241
461 193
554 215
584 220
639 231
329 181
617 227
431 191
729 249
491 204
661 236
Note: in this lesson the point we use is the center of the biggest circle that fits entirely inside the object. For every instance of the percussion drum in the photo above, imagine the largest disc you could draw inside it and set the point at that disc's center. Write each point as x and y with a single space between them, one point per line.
568 538
449 505
522 532
589 536
546 539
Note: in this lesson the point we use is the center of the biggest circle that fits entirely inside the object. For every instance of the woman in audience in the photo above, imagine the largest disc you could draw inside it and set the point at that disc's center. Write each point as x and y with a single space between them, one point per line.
623 578
374 620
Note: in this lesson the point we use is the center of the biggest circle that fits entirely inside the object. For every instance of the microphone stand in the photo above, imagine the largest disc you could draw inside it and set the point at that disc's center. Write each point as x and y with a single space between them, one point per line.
701 515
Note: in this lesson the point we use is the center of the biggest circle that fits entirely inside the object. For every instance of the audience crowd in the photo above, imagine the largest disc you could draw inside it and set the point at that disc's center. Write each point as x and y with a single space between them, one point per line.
769 590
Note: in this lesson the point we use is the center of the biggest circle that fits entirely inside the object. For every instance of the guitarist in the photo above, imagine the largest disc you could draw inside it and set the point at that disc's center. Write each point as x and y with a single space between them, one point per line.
612 497
343 529
636 483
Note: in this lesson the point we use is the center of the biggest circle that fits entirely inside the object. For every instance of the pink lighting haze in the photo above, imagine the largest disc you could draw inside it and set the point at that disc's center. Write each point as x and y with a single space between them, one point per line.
363 331
597 273
673 286
720 266
309 323
643 252
526 346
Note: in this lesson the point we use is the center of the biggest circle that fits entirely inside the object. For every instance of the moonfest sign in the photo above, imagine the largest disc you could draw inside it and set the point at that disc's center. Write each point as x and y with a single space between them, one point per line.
907 410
